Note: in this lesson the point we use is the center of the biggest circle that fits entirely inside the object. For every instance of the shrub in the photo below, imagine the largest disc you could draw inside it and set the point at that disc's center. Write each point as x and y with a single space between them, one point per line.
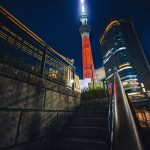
93 94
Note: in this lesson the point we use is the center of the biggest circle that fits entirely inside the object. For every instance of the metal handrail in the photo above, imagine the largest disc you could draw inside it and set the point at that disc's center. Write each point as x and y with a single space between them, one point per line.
123 131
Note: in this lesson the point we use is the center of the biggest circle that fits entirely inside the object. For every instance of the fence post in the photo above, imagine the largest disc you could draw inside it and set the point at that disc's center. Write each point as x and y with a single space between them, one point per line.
44 61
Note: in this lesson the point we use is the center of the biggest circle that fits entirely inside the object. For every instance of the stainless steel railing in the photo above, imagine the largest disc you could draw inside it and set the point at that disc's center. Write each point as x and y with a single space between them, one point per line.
123 130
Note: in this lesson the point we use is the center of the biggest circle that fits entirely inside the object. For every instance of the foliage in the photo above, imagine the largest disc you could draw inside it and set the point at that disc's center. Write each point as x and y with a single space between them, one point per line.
93 93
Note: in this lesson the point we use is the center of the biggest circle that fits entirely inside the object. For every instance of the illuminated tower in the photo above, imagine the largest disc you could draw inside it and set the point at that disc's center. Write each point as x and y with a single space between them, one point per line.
87 59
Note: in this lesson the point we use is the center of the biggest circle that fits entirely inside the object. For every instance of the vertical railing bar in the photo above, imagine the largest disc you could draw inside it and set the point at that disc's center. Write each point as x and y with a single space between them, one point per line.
43 62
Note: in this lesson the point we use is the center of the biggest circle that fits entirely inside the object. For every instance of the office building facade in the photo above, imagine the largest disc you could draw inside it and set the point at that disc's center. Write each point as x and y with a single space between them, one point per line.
121 48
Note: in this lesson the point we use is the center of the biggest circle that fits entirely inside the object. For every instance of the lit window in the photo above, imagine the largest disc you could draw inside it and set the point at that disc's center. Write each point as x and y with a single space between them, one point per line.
120 49
128 67
129 76
110 76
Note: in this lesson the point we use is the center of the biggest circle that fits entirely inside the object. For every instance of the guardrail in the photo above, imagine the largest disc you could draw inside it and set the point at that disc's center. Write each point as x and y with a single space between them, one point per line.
122 128
21 48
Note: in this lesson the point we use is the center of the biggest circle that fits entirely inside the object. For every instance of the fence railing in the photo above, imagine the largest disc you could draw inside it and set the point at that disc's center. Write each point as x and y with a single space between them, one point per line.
21 48
122 128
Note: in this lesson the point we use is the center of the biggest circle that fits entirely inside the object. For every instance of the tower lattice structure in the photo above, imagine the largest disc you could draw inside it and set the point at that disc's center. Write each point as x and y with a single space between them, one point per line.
87 58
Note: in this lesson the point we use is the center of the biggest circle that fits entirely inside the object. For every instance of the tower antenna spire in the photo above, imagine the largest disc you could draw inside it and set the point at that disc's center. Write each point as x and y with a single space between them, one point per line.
83 6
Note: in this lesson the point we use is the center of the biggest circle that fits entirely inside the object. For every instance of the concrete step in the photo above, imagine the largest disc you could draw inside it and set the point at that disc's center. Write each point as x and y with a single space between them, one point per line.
78 144
89 108
93 104
92 110
95 114
146 138
97 122
94 101
88 132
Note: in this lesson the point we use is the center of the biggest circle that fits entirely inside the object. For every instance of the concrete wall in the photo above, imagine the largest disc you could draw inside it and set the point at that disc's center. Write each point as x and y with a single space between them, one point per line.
32 109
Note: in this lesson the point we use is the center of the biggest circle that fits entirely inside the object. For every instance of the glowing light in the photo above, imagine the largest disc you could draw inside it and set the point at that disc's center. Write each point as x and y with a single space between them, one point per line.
144 90
131 80
129 76
110 76
128 67
82 1
114 22
71 81
124 65
121 48
125 83
83 8
110 54
134 93
142 85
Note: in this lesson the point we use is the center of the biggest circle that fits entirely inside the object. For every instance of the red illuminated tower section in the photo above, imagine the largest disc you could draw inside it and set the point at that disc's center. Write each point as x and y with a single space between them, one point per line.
87 59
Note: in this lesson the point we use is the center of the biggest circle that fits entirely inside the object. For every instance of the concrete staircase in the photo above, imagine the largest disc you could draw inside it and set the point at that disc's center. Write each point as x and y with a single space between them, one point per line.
146 138
87 130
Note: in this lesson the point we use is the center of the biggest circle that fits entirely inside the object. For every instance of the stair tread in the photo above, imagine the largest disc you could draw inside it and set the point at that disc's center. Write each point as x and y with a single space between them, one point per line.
90 115
87 118
89 106
79 144
86 130
86 127
80 139
90 111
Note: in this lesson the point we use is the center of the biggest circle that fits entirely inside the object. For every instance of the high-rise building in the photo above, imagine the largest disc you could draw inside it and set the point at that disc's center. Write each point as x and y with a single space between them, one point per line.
87 59
121 48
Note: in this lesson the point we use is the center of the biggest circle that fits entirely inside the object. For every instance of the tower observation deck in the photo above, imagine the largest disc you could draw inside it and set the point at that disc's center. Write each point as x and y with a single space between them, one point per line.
87 58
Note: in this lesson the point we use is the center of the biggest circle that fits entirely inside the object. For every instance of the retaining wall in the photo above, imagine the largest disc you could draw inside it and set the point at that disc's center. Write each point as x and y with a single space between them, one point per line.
32 109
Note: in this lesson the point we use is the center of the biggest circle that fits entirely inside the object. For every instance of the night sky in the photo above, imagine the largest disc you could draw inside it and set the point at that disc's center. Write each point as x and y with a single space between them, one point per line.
57 22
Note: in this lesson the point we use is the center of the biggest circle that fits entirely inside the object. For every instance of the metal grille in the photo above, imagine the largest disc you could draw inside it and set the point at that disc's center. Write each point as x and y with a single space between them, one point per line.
21 50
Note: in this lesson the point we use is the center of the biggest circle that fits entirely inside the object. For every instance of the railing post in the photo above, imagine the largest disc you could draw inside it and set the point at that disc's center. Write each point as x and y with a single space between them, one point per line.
44 61
73 79
110 119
